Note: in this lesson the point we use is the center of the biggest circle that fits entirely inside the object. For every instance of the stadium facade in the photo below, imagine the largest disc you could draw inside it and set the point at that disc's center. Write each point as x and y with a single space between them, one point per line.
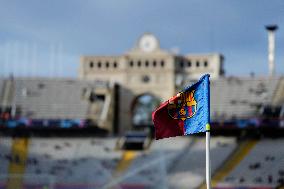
148 70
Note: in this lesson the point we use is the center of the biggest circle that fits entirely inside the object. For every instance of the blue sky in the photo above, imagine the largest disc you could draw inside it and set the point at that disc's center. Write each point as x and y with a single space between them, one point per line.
46 38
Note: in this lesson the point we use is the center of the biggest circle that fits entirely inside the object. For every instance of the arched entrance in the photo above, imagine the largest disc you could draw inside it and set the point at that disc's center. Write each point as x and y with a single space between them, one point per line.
142 108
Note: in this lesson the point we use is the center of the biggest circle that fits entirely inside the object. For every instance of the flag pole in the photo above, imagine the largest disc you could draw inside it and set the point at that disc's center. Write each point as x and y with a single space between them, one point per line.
208 165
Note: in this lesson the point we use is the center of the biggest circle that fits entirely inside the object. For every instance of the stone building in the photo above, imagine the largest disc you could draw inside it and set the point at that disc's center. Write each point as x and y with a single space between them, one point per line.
148 70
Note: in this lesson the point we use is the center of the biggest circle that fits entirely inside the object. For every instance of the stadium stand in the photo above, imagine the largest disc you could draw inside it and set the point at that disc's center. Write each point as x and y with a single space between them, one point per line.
5 155
41 99
96 162
65 162
174 164
58 103
242 149
189 170
262 167
72 161
237 97
89 162
148 166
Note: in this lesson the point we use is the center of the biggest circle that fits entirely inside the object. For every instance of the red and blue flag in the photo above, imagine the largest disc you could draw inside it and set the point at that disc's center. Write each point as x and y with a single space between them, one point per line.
186 113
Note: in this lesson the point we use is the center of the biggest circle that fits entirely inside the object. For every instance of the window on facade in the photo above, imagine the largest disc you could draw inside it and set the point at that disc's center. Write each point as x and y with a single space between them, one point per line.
139 63
40 85
181 63
147 63
197 63
131 63
115 64
145 78
205 63
99 64
91 64
189 63
107 64
154 63
162 63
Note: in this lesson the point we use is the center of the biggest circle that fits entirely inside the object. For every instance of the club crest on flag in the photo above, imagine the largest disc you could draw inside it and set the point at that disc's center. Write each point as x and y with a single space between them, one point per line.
182 106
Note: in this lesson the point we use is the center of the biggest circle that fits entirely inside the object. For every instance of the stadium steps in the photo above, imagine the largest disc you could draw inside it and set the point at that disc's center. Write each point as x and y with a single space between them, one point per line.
233 160
278 97
178 162
127 158
7 93
17 166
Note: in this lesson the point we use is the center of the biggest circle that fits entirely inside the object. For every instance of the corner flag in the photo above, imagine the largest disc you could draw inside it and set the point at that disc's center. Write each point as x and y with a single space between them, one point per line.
186 113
